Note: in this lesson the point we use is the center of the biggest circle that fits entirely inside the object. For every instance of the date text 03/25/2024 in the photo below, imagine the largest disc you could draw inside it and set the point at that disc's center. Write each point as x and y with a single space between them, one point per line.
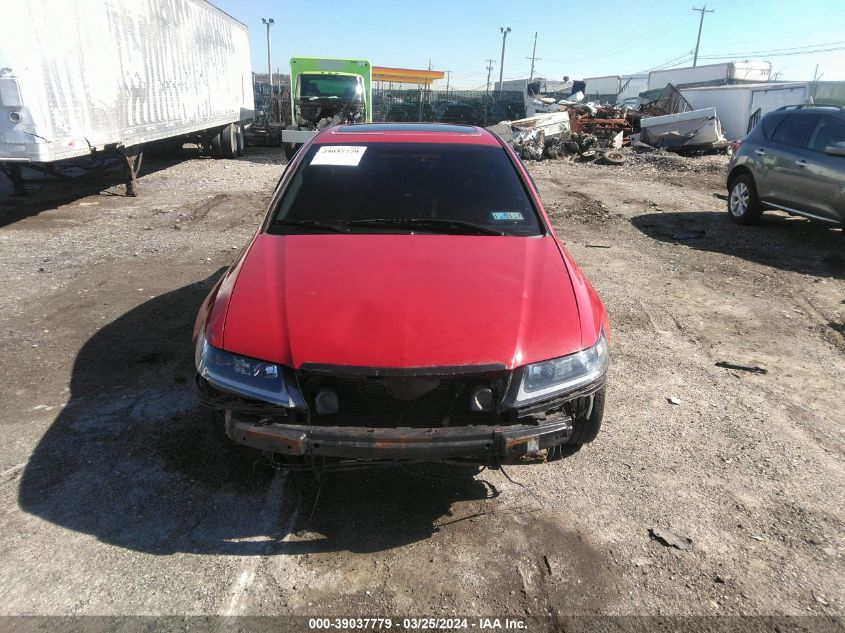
417 624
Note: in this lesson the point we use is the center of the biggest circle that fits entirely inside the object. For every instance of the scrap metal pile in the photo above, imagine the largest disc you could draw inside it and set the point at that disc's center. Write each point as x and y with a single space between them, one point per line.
582 132
593 132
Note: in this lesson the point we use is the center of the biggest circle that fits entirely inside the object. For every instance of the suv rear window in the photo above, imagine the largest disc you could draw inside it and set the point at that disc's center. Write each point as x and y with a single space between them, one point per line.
827 132
794 129
406 181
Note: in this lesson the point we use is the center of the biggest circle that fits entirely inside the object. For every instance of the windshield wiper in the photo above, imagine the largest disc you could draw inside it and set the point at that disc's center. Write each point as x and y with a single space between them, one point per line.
310 224
437 224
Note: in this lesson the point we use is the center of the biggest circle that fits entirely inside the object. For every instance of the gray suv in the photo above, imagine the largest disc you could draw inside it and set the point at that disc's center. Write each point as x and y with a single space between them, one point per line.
793 160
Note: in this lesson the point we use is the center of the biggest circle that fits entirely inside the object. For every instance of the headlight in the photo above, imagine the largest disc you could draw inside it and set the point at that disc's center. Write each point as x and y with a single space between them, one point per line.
567 373
241 375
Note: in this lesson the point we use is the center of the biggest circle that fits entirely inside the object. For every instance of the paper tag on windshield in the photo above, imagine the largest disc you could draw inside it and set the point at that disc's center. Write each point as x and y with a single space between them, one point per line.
346 155
507 216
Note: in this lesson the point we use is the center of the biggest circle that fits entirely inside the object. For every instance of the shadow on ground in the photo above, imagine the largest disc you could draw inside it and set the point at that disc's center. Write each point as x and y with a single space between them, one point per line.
79 178
130 460
783 242
71 181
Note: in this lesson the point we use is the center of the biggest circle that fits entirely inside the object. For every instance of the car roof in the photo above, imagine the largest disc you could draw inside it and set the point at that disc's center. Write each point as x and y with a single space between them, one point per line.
407 133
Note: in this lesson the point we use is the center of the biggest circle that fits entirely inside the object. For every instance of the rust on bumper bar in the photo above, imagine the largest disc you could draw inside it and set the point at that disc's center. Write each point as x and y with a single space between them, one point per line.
399 443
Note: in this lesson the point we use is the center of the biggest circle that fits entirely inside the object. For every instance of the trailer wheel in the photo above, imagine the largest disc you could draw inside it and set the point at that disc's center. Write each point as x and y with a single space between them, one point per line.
241 140
215 145
229 141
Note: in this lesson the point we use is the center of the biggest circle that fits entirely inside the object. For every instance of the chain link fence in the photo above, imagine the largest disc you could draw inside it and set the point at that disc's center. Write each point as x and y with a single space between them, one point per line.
469 107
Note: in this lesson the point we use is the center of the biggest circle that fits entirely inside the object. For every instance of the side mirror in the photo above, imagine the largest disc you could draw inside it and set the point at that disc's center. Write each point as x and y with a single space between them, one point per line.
835 149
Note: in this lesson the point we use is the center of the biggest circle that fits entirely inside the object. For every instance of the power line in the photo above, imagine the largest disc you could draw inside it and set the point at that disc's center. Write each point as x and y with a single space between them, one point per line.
783 50
675 60
807 52
700 25
669 24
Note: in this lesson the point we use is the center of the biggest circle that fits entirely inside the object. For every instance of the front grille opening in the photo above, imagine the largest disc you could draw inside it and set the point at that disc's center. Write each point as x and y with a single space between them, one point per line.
383 402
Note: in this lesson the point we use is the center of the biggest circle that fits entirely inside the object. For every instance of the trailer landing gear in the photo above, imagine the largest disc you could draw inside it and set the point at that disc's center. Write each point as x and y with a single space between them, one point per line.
132 157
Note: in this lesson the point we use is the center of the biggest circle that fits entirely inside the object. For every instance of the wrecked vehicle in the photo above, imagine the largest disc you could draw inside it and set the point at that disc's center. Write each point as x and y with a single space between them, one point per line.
405 298
694 131
532 136
326 92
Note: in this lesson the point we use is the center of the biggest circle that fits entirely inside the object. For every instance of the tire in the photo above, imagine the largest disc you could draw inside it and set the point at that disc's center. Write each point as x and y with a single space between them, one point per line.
218 427
585 430
290 150
229 141
215 145
241 140
613 157
743 205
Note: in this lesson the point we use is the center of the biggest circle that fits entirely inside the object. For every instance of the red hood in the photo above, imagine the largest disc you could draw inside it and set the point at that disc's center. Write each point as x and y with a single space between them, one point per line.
402 301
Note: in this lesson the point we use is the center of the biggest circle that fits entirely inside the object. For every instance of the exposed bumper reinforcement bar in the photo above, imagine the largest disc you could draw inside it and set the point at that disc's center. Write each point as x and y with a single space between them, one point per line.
502 442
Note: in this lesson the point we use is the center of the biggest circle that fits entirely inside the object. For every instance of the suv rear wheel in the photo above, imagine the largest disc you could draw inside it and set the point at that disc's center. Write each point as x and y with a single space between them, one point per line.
743 204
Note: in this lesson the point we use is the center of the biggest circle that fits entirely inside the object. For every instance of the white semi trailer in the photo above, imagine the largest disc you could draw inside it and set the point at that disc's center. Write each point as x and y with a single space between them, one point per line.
82 77
711 74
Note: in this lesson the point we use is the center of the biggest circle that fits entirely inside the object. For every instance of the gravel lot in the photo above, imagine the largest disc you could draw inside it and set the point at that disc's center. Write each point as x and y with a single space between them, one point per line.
115 500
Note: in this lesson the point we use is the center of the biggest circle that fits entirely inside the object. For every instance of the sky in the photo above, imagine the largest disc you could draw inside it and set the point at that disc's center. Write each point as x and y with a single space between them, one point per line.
575 38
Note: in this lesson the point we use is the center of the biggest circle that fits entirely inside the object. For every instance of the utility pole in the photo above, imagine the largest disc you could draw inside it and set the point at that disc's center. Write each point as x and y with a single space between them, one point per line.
448 77
489 70
268 22
487 90
533 57
816 73
700 24
504 31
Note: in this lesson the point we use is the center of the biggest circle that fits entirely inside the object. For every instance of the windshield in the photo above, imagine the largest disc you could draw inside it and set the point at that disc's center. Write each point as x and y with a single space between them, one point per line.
343 87
414 187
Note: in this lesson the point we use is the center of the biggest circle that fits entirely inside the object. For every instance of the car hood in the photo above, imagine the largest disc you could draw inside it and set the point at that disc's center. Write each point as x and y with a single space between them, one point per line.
402 301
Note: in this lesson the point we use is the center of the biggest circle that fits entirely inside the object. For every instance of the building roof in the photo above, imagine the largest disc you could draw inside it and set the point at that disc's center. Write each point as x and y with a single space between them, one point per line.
406 75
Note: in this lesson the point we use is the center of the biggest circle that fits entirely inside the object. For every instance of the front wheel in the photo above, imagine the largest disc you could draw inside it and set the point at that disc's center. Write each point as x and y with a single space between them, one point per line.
743 204
586 427
290 150
217 421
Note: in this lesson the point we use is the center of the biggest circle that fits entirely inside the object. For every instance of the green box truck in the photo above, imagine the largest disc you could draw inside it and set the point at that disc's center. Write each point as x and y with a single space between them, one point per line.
326 92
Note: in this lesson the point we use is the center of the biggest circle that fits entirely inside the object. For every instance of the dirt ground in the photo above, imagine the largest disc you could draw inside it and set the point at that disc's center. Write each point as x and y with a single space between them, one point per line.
115 499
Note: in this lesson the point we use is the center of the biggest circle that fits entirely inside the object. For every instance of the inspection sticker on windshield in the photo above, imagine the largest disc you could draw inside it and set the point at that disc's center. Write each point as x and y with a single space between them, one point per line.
507 216
346 155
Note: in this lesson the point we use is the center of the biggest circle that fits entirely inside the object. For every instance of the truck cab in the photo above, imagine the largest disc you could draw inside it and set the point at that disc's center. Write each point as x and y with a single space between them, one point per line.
325 93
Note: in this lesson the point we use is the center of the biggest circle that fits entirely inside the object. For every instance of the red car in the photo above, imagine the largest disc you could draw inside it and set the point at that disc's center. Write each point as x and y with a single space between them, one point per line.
404 299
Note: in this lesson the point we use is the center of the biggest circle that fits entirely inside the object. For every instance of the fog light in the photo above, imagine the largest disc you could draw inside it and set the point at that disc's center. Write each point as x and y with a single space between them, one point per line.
325 402
482 399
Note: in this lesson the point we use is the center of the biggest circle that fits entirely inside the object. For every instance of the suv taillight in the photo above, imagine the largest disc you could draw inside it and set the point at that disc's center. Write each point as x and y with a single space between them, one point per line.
735 146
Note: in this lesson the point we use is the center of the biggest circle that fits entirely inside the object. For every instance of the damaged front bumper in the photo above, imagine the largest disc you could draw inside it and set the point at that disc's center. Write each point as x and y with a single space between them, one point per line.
301 436
486 443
